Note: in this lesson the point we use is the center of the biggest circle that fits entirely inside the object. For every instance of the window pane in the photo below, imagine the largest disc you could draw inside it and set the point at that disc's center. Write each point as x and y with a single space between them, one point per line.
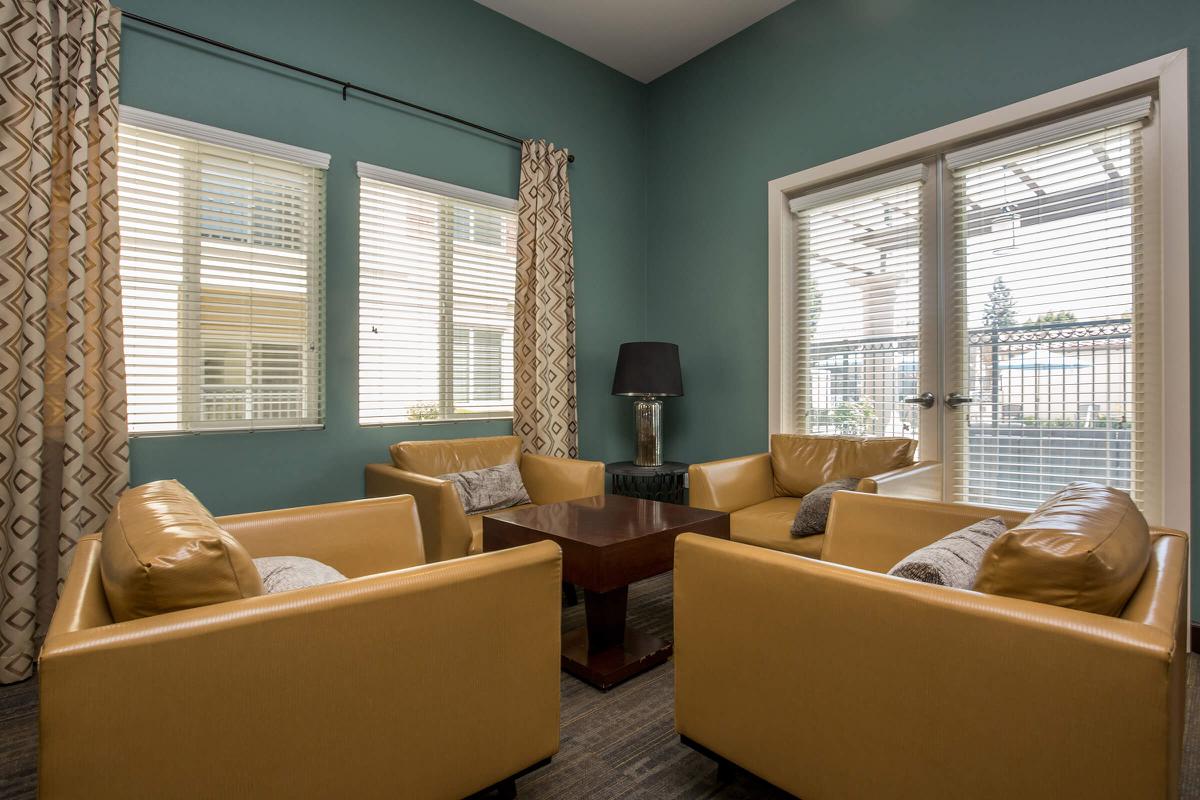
856 300
437 276
1047 254
222 264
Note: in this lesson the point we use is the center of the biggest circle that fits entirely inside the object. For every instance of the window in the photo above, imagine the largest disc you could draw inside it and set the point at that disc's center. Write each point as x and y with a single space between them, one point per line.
1001 303
437 276
222 271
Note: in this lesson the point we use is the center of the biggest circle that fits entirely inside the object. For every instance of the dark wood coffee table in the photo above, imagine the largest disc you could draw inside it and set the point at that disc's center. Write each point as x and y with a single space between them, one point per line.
607 542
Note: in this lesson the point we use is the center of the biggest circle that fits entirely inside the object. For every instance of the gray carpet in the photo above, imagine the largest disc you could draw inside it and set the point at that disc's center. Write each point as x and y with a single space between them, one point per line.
618 744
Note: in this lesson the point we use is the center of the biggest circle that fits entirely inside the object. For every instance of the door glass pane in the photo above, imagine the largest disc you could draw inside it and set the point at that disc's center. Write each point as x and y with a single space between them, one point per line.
856 304
1047 253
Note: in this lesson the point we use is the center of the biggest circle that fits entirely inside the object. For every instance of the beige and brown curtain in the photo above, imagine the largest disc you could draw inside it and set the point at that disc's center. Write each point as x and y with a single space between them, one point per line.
544 413
63 438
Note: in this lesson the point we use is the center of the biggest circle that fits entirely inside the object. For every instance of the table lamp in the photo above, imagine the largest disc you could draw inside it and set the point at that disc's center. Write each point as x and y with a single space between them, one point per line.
648 371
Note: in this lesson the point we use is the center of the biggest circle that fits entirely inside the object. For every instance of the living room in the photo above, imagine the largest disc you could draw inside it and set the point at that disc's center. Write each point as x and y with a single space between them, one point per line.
437 398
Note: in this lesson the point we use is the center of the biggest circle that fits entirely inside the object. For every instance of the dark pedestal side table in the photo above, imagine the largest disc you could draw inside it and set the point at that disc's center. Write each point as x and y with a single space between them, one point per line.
662 483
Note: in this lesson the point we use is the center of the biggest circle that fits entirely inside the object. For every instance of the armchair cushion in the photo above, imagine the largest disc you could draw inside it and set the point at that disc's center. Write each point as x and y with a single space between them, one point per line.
952 560
767 524
1085 547
443 456
814 507
489 489
162 551
802 463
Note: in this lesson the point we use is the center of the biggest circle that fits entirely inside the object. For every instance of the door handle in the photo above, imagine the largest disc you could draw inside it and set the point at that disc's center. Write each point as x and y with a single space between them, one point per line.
924 400
954 400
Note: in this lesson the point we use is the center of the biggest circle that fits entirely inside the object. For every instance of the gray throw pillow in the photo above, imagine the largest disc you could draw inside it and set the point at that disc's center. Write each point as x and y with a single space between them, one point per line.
489 489
952 560
814 508
285 573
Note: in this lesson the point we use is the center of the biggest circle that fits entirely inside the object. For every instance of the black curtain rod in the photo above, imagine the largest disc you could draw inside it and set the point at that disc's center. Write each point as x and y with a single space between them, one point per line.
347 86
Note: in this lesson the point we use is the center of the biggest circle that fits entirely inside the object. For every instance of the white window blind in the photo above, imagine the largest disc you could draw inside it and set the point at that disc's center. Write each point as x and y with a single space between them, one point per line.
1050 283
222 271
856 285
437 276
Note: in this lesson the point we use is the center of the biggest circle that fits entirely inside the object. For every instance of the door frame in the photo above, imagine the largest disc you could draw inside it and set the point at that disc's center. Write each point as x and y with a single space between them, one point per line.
1166 76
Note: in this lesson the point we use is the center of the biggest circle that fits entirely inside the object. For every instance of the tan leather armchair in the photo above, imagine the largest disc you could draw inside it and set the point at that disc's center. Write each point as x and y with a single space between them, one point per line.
449 531
408 680
762 492
853 683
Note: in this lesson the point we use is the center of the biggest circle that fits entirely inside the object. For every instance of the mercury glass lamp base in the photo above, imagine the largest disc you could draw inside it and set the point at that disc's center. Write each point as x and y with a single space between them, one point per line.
647 416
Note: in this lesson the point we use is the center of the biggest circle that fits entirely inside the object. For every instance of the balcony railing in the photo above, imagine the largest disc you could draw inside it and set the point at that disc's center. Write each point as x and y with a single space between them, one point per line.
1053 402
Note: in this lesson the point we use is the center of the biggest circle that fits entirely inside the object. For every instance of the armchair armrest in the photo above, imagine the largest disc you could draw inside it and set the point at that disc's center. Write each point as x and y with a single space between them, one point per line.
381 684
359 537
550 479
731 483
873 532
444 524
786 696
923 479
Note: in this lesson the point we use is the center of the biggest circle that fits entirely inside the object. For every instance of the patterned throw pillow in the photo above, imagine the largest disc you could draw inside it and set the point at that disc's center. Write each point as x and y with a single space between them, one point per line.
814 508
285 573
489 489
952 560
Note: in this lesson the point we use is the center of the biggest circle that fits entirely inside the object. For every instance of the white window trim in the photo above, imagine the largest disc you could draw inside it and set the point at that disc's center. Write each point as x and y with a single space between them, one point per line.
844 191
420 182
1168 75
219 136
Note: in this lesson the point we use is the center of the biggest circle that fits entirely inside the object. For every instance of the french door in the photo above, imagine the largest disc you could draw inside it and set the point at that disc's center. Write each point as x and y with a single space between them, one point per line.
996 302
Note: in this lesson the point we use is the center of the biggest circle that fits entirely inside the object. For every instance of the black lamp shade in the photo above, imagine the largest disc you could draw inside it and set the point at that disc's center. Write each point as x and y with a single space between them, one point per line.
648 369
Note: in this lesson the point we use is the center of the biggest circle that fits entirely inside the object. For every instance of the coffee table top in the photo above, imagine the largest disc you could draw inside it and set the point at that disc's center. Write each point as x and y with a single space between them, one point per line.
605 520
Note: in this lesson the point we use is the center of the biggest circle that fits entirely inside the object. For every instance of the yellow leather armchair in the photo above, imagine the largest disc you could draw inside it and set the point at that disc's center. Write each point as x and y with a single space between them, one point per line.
449 531
853 683
762 492
372 687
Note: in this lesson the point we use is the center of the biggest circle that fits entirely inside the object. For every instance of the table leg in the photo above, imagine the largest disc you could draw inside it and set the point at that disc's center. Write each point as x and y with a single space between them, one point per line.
605 618
606 651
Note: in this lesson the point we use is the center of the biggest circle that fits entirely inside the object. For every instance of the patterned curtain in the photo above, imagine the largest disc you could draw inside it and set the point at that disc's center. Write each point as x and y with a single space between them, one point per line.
544 341
63 437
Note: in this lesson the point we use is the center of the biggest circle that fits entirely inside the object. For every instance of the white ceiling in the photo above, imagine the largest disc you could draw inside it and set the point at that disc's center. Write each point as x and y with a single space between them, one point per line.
642 38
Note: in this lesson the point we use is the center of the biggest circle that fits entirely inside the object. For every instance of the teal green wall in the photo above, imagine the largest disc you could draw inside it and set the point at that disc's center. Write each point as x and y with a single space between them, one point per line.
453 55
823 79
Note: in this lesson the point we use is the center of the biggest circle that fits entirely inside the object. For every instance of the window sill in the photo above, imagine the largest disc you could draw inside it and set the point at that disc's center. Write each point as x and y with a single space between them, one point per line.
206 431
420 422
